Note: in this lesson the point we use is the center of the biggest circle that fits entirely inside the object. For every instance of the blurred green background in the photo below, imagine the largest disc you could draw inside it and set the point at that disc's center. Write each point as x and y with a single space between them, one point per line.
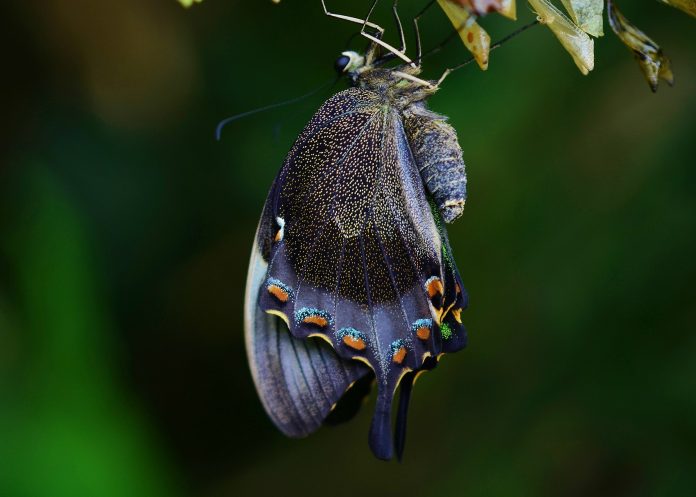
125 230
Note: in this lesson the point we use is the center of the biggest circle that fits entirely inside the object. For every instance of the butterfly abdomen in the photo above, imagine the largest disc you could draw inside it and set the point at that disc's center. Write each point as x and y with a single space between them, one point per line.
439 158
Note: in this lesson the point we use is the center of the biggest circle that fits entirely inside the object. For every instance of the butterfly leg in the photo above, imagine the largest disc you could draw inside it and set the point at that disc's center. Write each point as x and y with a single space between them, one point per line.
399 26
364 22
400 53
376 39
390 48
389 56
415 79
444 75
416 29
419 47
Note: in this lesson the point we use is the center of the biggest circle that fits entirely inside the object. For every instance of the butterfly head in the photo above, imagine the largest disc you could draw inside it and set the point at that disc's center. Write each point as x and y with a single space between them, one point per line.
349 62
399 84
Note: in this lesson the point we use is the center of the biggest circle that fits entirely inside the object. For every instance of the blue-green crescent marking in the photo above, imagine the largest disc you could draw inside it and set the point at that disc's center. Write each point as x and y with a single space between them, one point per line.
420 323
279 284
306 312
396 346
349 331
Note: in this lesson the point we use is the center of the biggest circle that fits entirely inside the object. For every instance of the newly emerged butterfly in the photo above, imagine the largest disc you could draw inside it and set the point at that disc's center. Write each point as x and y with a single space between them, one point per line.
351 276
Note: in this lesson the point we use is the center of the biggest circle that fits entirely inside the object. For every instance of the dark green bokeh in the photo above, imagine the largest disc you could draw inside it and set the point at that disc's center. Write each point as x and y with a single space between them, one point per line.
125 229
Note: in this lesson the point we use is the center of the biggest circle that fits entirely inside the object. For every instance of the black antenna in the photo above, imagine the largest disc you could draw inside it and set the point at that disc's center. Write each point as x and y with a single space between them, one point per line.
225 122
455 33
424 9
439 46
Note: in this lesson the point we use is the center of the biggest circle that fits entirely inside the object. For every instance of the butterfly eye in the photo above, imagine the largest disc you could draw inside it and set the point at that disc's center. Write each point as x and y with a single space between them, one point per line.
342 63
349 61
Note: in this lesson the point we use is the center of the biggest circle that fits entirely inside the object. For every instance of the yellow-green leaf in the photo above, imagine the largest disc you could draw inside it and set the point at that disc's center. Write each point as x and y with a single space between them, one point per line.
654 64
576 42
688 6
475 39
188 3
587 14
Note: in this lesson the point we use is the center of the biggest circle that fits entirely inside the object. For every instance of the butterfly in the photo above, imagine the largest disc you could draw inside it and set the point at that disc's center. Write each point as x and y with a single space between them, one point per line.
352 279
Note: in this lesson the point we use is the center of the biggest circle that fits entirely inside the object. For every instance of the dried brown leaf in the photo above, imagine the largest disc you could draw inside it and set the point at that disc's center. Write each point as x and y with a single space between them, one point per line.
652 61
475 39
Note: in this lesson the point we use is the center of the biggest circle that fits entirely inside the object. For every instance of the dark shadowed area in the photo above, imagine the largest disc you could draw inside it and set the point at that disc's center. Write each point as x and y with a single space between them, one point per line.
125 230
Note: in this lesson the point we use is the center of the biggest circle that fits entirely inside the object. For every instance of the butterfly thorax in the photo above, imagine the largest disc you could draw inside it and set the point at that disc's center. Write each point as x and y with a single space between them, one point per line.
391 84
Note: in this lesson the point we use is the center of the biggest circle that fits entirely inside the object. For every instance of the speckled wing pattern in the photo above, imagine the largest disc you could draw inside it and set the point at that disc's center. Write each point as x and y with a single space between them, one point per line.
351 251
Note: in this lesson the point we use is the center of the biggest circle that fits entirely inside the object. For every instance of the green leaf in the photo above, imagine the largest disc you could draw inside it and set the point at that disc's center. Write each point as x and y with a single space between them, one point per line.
188 3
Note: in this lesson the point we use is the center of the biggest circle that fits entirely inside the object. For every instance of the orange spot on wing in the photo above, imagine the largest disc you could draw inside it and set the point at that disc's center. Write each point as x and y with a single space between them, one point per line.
354 343
399 355
423 332
278 236
435 287
278 293
457 313
318 320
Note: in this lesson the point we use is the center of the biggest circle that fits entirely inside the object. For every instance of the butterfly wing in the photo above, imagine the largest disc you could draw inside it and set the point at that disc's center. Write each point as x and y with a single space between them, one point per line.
299 381
356 255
